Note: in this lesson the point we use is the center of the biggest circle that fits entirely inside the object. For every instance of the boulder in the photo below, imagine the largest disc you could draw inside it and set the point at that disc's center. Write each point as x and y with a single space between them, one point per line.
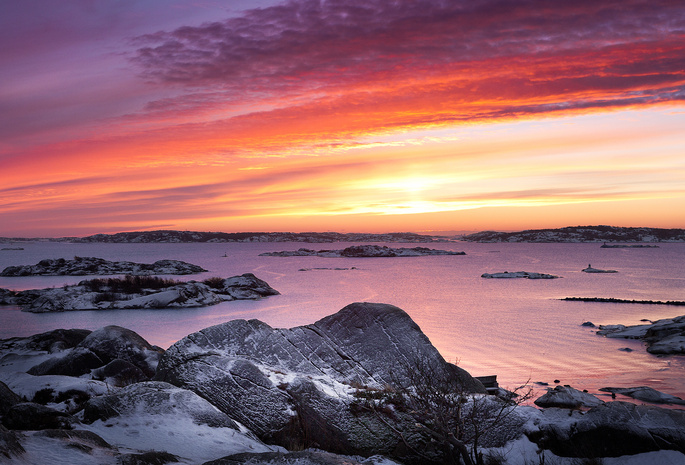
612 429
155 398
567 397
304 457
51 341
148 458
31 416
114 342
119 372
294 386
647 394
76 362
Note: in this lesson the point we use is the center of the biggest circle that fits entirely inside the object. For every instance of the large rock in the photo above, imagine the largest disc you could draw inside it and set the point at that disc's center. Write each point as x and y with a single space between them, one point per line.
76 362
294 386
50 341
567 397
612 429
114 342
31 416
8 398
9 445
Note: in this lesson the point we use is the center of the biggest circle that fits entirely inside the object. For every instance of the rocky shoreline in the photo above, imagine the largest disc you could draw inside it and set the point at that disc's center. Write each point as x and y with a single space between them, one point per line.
663 337
138 292
81 266
326 393
362 251
518 274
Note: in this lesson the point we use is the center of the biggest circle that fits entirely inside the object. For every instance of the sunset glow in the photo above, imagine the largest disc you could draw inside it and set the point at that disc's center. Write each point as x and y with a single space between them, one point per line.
342 115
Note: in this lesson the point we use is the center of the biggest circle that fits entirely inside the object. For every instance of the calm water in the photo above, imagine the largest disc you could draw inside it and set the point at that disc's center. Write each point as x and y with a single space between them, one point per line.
514 328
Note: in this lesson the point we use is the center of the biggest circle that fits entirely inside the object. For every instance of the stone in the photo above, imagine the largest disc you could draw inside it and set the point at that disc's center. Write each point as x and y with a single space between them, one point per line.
294 385
31 416
567 397
77 362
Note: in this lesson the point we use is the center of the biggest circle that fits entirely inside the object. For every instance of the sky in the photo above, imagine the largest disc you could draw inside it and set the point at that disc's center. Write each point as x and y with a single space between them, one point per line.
340 115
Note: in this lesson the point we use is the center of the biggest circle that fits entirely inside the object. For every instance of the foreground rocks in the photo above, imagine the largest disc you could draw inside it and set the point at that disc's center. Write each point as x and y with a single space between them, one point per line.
245 393
363 251
663 337
134 292
81 266
611 429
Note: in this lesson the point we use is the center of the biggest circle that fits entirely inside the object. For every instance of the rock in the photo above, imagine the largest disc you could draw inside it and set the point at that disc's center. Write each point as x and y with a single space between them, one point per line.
119 373
114 342
294 385
76 438
589 269
663 337
77 362
567 397
305 457
612 429
51 341
588 324
646 394
519 274
363 251
148 458
127 293
81 266
31 416
7 297
9 445
8 398
156 398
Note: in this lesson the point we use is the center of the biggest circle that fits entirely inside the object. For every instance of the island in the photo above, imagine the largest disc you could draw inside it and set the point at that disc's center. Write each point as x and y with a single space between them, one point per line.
581 234
81 266
590 269
518 274
138 292
362 251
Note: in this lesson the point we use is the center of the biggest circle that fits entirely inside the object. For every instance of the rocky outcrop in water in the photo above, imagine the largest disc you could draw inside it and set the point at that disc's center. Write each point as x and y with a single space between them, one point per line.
294 386
581 234
663 337
362 251
142 292
518 274
81 266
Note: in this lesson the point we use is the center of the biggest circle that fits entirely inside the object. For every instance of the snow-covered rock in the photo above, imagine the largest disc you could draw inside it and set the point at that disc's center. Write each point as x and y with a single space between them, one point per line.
103 294
360 251
590 269
611 429
294 386
567 397
519 274
81 266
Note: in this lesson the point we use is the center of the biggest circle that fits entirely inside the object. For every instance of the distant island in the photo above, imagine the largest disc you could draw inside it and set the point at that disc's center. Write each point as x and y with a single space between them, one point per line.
568 234
581 234
361 251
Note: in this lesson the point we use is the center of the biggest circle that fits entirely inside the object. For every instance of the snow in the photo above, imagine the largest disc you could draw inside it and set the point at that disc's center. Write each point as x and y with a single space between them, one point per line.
26 385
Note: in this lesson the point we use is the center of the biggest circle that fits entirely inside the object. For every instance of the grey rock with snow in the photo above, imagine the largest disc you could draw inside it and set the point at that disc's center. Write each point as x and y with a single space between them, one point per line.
81 266
567 397
266 378
647 394
8 398
663 337
612 429
304 457
181 295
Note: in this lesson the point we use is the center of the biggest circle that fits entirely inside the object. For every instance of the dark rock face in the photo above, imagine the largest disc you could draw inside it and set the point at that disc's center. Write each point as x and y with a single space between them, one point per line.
282 383
148 458
76 363
51 341
81 266
9 445
30 416
8 398
614 429
119 372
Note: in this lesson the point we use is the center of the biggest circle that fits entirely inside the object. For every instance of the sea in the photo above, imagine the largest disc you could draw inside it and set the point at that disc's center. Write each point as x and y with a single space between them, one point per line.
517 329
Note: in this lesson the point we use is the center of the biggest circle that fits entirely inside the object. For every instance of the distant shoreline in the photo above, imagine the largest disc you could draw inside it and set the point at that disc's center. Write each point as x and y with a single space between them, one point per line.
624 301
